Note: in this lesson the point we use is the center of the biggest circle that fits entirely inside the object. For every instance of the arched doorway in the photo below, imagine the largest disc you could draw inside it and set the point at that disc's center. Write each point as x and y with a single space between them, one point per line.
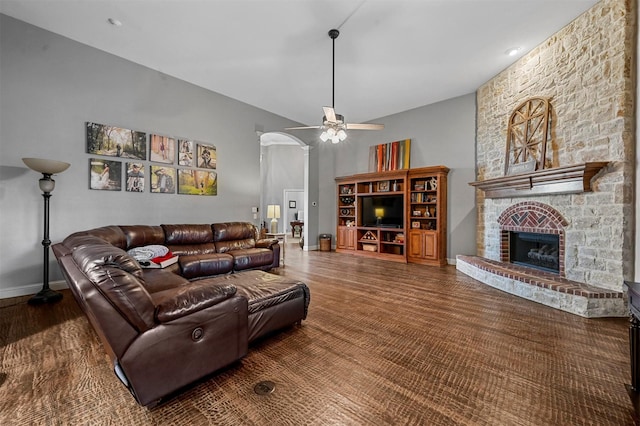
284 166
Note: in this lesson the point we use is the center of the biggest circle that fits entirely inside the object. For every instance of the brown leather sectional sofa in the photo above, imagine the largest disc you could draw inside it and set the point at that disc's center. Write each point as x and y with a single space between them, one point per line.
166 328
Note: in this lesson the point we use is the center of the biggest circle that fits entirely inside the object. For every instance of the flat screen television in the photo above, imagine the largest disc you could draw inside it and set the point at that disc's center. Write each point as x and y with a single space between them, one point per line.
382 211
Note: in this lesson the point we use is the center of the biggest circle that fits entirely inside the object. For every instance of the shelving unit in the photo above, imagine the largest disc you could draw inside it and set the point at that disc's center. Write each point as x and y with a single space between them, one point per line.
346 236
419 235
367 239
427 212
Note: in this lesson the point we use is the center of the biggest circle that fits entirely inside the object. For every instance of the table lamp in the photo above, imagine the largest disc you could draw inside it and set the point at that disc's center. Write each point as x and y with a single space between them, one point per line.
379 212
273 213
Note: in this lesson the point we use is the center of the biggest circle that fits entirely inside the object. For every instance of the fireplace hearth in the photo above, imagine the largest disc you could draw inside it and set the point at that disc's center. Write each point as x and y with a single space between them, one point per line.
535 250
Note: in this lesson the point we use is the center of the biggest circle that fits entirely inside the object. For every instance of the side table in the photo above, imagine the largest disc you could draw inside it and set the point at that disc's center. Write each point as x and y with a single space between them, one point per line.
633 389
296 225
280 236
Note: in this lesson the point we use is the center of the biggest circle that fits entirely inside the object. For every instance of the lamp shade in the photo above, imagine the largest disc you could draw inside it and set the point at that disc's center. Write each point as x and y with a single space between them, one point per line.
379 212
273 211
48 167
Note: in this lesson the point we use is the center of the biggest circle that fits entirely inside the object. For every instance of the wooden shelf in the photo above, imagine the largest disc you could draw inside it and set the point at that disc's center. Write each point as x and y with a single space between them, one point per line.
560 180
391 243
427 231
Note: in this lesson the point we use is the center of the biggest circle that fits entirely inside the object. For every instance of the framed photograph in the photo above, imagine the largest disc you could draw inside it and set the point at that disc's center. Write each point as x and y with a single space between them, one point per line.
135 177
197 182
383 186
162 149
163 179
207 157
415 225
116 141
185 152
105 175
292 204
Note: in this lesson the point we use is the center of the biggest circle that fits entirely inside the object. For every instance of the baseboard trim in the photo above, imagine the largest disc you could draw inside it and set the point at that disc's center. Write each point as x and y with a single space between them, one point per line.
26 290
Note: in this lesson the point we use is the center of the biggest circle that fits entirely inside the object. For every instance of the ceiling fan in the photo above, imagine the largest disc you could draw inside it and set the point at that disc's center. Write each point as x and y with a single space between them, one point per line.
333 125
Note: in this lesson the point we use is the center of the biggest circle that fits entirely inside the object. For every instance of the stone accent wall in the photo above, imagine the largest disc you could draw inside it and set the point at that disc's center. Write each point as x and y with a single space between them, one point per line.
587 70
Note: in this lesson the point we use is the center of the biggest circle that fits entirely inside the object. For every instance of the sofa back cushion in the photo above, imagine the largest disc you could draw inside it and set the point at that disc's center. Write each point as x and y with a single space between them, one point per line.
231 236
143 235
187 234
111 234
188 240
117 276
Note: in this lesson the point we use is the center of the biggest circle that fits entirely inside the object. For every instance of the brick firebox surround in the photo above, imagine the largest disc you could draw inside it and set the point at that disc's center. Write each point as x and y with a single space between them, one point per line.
535 217
586 70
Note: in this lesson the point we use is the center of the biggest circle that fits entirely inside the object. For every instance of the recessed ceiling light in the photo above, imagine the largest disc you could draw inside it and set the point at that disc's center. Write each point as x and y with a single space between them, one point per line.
114 22
512 51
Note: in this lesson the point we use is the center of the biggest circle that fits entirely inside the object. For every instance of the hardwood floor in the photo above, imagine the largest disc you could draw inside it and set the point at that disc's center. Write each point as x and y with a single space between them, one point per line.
384 343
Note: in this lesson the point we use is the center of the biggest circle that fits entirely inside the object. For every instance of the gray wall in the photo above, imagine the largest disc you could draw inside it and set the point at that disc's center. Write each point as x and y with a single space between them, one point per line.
49 87
282 168
441 134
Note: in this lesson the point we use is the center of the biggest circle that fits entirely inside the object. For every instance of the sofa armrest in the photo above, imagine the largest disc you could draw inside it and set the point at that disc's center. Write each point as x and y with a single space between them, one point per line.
173 354
266 242
181 301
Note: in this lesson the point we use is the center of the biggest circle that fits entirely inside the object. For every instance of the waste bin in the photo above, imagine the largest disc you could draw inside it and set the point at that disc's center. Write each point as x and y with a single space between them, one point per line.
325 242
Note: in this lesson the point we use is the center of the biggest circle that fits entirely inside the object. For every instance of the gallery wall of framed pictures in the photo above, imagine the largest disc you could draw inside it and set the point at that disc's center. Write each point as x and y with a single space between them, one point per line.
149 162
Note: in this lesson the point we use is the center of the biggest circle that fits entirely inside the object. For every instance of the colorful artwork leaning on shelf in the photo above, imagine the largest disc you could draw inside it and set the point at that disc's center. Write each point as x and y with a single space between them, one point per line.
390 156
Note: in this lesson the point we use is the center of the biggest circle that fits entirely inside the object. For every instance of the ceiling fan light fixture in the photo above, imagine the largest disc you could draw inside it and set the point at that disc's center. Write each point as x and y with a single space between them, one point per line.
334 126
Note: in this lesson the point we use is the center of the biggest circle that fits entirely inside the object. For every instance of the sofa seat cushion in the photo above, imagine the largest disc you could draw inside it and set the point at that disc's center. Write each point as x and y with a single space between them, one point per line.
156 280
274 302
232 245
264 290
264 293
251 258
204 265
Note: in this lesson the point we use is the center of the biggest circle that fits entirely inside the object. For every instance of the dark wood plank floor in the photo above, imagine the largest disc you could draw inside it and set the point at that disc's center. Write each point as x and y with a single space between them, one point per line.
384 343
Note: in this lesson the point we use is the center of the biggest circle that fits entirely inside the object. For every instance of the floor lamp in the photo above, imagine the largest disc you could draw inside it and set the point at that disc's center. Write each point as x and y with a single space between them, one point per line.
47 168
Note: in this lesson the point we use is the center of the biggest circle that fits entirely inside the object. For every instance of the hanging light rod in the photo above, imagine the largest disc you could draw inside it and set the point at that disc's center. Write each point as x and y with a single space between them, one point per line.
334 35
334 125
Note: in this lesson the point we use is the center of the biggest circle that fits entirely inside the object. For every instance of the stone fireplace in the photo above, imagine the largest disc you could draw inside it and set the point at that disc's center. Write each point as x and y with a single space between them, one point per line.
591 90
531 249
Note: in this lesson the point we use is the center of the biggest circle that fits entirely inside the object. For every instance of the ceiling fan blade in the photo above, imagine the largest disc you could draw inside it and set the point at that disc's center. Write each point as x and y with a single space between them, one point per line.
330 114
302 128
364 126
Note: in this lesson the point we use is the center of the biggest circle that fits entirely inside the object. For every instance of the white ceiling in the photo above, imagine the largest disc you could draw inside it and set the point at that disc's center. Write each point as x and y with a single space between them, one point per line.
391 55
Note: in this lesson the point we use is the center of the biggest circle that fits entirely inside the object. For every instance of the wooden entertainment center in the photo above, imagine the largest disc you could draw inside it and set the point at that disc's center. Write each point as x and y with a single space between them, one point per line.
398 215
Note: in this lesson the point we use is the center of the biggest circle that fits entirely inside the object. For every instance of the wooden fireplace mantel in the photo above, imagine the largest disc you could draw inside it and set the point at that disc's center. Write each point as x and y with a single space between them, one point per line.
559 180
